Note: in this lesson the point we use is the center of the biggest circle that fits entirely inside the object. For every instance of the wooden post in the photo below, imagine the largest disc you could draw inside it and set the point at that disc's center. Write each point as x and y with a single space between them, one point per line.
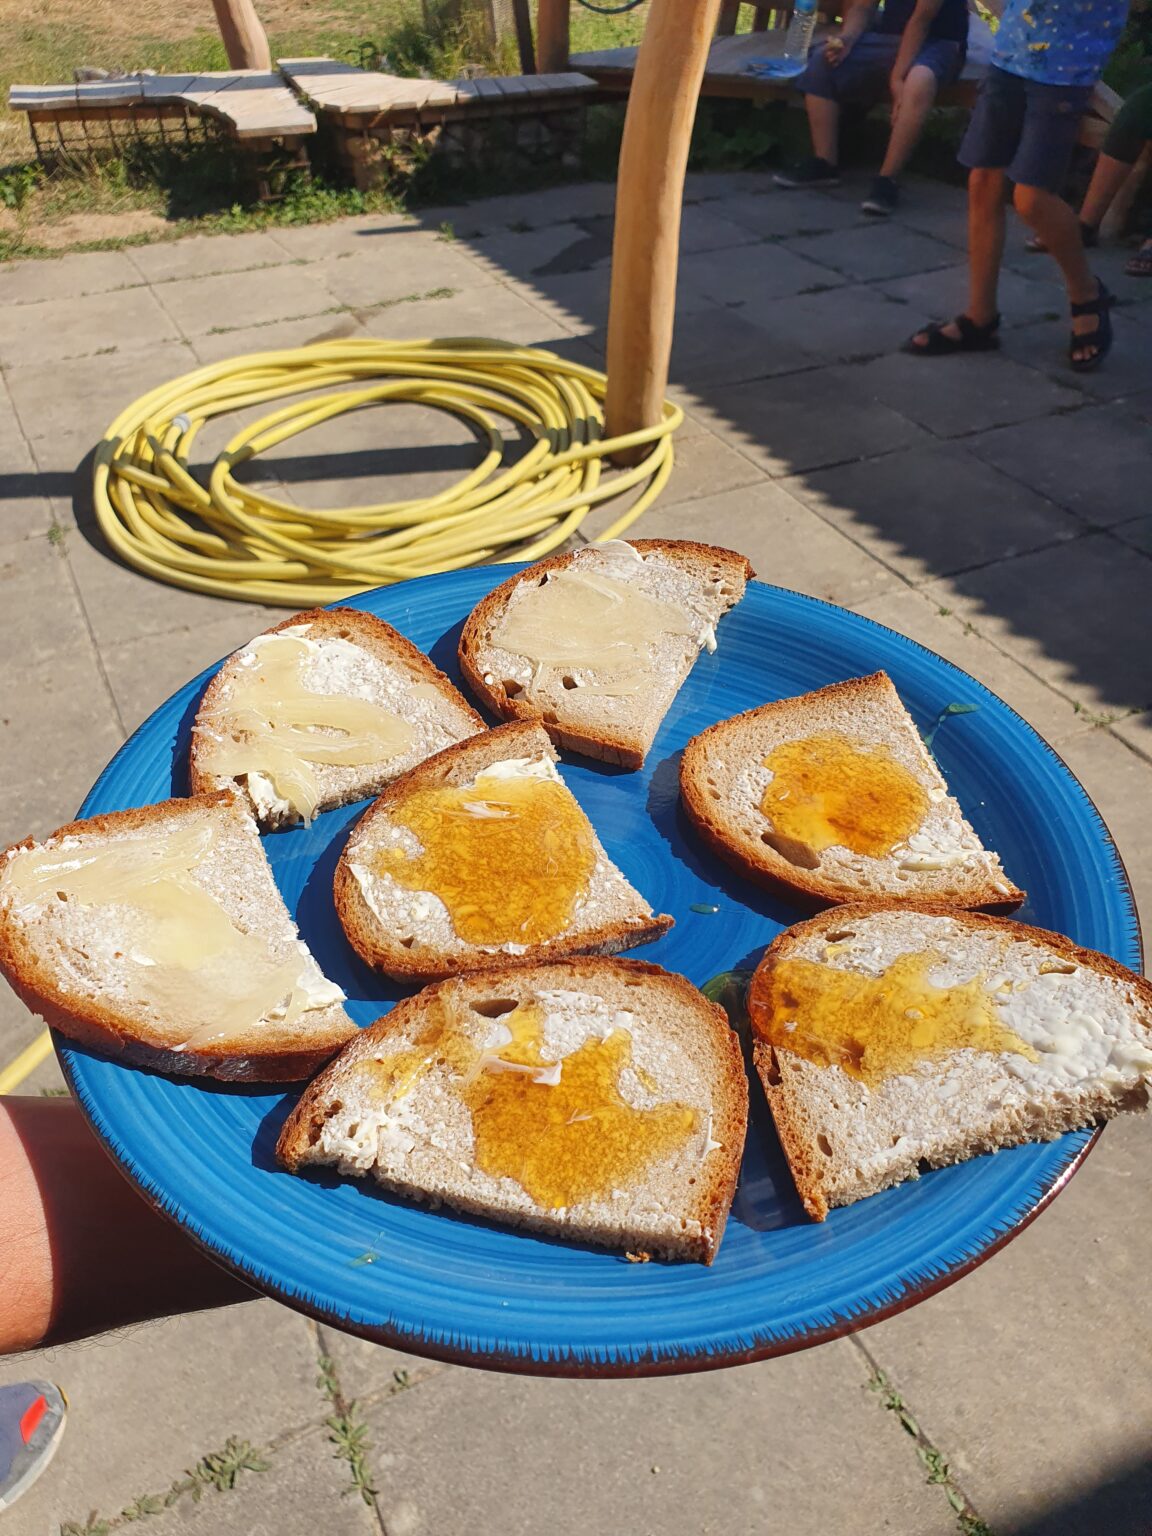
522 20
729 18
245 41
649 193
552 36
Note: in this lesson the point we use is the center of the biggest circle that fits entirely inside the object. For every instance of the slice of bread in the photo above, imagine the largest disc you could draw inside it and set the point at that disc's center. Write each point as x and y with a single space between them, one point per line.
605 666
851 767
501 867
158 935
602 1101
343 656
891 1039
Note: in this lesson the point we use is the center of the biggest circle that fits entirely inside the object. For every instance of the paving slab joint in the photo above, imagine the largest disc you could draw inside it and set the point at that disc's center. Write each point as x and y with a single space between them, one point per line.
937 1470
347 1431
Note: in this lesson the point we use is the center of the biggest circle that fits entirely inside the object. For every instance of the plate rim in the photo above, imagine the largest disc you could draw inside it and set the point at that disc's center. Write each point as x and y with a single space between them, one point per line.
549 1361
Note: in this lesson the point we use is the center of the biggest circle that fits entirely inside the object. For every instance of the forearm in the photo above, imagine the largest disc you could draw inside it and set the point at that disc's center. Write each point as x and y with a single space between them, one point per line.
858 20
80 1250
914 36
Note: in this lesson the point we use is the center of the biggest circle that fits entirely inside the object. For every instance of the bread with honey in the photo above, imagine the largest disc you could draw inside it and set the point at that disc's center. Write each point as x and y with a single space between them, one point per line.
891 1039
833 796
602 1101
158 936
322 710
596 644
482 856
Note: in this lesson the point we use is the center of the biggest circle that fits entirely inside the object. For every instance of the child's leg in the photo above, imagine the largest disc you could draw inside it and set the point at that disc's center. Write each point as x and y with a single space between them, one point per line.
824 126
1059 228
916 101
986 222
1107 179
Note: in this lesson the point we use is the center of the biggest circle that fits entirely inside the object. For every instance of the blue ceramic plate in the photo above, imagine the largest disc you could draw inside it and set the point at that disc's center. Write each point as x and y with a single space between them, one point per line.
463 1290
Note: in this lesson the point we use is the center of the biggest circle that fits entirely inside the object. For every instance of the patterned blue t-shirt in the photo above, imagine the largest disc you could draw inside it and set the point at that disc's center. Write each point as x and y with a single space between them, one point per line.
1058 42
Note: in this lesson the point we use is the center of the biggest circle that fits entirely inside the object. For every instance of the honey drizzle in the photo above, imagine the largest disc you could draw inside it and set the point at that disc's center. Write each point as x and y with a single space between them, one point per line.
875 1027
831 791
509 858
565 1138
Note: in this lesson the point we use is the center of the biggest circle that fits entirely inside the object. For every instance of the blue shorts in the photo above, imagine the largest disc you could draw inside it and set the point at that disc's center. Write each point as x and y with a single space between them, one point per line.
863 75
1025 129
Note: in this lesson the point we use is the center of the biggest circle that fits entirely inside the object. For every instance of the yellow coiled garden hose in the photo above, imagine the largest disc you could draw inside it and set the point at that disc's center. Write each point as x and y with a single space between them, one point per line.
230 539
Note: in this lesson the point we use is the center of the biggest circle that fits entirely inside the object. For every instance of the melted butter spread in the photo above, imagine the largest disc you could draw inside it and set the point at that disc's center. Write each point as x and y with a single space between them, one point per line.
177 951
562 1130
584 618
510 857
876 1027
832 792
273 725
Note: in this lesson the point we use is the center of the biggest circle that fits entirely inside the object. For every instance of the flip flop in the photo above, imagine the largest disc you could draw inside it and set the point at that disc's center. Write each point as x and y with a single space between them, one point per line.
1100 338
1140 265
972 338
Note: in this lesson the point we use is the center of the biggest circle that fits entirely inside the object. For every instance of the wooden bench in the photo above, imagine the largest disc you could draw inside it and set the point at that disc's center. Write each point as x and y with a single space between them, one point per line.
253 107
729 73
379 123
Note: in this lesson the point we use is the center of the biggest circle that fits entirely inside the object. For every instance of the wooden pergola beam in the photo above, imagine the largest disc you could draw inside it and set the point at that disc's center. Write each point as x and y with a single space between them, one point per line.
245 41
649 196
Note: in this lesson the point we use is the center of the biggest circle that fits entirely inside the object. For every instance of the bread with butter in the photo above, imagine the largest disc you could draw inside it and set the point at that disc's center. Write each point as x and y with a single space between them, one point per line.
890 1039
158 936
322 710
602 1101
482 856
596 644
832 796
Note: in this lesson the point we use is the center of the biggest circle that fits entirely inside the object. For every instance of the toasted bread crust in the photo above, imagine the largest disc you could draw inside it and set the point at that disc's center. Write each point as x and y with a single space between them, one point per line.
363 629
457 764
762 863
609 747
98 1025
809 1171
713 1195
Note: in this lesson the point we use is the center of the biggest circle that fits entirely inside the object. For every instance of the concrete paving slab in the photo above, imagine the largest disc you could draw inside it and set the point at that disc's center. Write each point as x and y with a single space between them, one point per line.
149 1402
67 277
1119 780
580 299
498 310
143 673
703 186
1125 371
786 543
401 264
934 625
103 323
838 326
1136 732
1076 614
25 512
122 604
1137 532
726 346
806 420
373 1373
567 247
97 389
932 510
953 396
204 255
1094 462
538 208
1030 1372
947 221
940 295
784 213
736 1453
754 274
228 299
707 227
277 335
314 242
1107 261
35 583
874 251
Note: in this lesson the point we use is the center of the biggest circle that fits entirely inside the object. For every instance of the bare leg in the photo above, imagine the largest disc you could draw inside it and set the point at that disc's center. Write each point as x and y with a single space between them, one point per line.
1107 179
1051 218
986 221
915 104
824 126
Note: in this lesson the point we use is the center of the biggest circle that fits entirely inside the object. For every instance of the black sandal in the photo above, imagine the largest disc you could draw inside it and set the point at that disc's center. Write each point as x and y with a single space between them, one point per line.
972 338
1100 338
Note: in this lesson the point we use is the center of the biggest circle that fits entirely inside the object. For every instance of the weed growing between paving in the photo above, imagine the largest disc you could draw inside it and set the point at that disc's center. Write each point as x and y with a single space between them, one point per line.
937 1472
346 1430
219 1470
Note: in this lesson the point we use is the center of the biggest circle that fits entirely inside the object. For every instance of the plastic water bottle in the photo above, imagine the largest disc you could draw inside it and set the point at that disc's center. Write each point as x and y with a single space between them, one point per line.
797 42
